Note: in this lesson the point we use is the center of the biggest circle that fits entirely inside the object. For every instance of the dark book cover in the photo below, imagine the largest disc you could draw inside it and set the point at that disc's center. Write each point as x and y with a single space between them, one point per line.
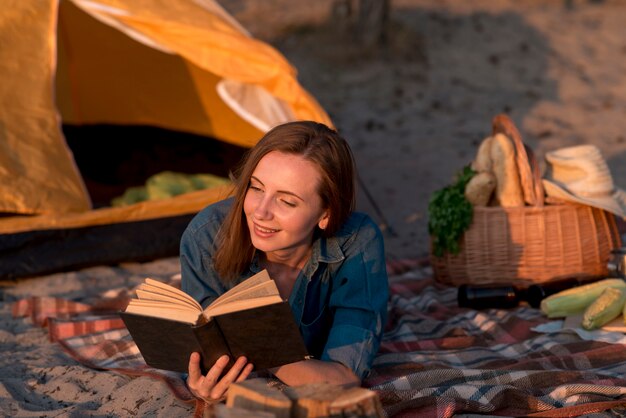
267 336
167 344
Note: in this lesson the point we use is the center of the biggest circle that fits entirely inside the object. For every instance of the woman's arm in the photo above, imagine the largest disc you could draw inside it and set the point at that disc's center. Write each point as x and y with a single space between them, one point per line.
197 247
316 371
358 300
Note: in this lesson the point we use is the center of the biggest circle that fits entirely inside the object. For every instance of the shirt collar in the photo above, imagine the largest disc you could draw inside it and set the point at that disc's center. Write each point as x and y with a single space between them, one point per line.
325 250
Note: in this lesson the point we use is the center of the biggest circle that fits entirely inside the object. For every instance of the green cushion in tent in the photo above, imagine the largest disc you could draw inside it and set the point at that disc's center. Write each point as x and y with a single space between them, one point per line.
168 184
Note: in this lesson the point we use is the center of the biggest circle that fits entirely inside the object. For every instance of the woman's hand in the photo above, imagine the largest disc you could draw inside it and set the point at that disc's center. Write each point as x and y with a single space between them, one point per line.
211 388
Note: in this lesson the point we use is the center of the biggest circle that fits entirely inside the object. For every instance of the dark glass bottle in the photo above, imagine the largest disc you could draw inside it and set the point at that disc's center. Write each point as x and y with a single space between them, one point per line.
485 297
537 292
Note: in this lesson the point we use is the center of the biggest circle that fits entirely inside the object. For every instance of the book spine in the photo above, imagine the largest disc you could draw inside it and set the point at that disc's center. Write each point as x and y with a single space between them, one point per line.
213 345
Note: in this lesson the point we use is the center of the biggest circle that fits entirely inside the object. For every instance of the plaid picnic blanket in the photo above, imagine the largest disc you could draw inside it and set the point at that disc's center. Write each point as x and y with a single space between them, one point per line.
436 359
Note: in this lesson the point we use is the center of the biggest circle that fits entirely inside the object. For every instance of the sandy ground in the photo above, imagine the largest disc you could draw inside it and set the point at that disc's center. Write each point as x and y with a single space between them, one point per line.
37 378
414 111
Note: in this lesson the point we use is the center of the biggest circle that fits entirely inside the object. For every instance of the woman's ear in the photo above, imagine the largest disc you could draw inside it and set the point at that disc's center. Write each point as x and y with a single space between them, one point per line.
323 223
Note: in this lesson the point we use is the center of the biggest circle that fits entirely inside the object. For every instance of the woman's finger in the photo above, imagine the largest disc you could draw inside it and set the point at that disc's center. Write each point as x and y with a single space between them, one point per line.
219 390
194 369
245 372
213 375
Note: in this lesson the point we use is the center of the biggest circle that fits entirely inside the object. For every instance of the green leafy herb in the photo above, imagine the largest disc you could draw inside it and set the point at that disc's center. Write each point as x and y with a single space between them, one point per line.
450 214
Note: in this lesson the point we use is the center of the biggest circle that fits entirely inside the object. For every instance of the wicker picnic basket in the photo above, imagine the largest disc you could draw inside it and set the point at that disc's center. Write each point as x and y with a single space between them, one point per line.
531 244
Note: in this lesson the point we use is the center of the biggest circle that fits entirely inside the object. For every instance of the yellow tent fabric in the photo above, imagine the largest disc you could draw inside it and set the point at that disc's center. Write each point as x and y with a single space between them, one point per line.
184 65
37 172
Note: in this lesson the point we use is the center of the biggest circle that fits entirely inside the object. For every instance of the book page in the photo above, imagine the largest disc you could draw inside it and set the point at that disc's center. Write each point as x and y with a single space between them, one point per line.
253 281
240 305
147 287
260 290
170 290
260 286
158 296
162 310
162 305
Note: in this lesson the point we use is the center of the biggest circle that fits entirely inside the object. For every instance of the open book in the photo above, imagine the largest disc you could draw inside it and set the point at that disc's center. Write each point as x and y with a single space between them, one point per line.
251 320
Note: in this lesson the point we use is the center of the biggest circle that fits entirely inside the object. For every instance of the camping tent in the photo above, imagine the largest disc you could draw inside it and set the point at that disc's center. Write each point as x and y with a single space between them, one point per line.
185 66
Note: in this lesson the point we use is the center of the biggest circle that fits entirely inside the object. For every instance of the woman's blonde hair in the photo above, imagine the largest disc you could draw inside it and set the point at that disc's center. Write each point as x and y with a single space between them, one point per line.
314 142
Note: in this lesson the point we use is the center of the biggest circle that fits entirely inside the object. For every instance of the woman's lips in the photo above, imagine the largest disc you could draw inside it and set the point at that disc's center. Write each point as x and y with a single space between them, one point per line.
263 231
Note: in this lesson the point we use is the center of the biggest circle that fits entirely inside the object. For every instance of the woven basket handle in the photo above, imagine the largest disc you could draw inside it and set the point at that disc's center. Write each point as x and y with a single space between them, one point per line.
530 177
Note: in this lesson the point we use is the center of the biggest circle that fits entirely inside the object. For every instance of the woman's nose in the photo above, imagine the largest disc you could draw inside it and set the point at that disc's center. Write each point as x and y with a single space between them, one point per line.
263 209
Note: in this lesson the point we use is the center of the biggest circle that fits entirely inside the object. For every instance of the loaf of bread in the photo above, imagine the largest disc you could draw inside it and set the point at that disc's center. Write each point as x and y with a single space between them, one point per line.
479 189
482 162
508 191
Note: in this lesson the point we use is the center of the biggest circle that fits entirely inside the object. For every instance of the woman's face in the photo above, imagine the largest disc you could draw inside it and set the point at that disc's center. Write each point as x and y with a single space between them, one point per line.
282 205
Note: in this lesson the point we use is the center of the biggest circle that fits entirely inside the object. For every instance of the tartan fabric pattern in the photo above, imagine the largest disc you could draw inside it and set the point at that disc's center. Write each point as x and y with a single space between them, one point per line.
60 329
436 359
439 360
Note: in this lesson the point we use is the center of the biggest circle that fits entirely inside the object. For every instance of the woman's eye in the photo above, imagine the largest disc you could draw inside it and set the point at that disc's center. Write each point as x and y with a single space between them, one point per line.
255 188
288 203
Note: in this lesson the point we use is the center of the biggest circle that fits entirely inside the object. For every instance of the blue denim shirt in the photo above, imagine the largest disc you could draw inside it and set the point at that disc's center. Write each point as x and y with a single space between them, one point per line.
339 299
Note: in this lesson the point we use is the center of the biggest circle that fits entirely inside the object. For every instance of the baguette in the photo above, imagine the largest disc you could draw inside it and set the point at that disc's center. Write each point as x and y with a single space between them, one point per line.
482 162
508 191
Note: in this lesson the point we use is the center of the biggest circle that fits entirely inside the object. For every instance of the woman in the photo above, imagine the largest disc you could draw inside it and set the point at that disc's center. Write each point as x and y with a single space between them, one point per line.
292 214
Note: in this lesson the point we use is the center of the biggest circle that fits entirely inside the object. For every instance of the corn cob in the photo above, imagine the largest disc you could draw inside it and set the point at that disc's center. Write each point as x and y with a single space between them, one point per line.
575 300
607 307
